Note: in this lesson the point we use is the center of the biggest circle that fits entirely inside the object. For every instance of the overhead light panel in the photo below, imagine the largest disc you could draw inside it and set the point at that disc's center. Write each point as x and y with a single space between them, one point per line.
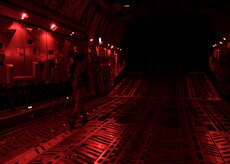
100 41
53 27
24 15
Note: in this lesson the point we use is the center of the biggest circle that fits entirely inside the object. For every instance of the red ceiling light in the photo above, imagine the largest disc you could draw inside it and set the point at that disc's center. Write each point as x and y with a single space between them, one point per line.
214 45
100 41
24 15
91 39
53 27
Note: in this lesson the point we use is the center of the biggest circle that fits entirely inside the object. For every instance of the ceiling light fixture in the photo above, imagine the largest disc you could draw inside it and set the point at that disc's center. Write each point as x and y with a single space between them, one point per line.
24 15
100 41
53 27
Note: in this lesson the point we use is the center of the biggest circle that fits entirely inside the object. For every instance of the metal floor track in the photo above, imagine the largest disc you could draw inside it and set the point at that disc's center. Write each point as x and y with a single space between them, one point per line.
142 121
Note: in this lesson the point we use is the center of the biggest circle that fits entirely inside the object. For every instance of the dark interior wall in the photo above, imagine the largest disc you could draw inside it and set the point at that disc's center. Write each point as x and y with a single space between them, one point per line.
170 42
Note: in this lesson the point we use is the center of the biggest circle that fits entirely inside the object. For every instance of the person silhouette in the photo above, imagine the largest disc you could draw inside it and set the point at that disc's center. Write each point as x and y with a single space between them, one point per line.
80 87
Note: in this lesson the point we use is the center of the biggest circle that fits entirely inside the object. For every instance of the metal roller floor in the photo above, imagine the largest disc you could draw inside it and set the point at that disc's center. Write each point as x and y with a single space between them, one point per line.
161 120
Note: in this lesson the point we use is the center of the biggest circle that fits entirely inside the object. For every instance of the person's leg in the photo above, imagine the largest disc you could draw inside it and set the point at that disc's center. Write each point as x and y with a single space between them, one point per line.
71 122
74 114
81 105
84 118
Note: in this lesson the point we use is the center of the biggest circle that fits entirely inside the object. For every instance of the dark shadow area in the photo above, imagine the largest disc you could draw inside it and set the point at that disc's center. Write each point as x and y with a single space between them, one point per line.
170 43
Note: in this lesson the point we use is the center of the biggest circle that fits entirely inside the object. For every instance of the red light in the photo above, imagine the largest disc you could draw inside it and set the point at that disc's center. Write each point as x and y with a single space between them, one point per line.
71 33
24 16
91 40
53 26
100 41
30 107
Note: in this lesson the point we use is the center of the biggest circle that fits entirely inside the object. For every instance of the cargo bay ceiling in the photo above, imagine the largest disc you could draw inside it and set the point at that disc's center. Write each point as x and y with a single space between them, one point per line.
87 18
135 24
113 19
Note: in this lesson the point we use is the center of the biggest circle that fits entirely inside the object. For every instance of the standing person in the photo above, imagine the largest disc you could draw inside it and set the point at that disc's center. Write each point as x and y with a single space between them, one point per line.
80 86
